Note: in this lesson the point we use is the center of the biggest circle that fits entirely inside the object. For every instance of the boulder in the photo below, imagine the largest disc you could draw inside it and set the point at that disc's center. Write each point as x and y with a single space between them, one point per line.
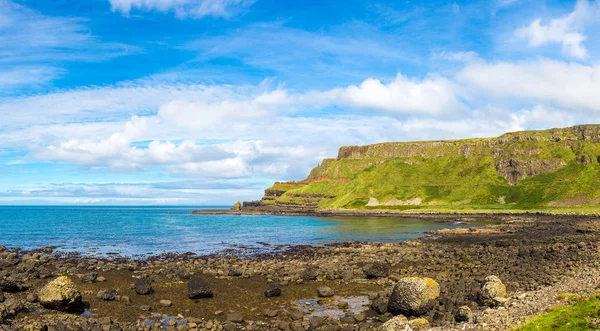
413 296
463 314
60 293
273 290
107 295
325 292
143 286
198 288
377 270
492 291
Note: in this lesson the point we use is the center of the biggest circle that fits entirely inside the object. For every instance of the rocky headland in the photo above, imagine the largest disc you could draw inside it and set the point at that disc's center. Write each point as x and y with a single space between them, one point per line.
548 170
494 277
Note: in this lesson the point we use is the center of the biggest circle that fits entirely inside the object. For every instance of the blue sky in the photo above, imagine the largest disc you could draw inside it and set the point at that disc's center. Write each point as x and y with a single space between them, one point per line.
203 102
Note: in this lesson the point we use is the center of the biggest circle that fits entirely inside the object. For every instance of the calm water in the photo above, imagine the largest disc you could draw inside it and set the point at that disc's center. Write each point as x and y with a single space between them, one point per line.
132 231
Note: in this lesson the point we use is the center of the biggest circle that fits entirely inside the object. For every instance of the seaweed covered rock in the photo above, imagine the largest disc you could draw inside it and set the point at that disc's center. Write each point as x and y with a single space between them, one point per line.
60 293
413 296
492 291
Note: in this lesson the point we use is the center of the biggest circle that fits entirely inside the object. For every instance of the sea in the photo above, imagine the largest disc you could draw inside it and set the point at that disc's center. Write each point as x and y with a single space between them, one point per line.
139 232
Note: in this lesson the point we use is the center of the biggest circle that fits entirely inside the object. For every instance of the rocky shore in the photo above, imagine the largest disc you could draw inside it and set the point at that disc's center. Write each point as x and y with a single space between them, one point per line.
489 278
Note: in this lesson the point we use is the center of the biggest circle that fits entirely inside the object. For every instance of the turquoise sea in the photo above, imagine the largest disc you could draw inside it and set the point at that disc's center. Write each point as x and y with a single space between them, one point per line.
143 231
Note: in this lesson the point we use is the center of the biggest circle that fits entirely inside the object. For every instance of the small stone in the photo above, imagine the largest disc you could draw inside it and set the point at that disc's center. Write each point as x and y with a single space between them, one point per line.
270 313
395 324
107 295
360 317
1 296
125 298
145 308
218 313
143 286
315 322
172 322
419 324
209 325
343 305
166 303
235 317
325 292
463 314
296 315
272 290
379 306
100 279
32 297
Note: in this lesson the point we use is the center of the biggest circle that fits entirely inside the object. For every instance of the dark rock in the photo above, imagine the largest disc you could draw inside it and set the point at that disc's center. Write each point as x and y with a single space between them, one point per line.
1 296
316 322
377 270
379 306
272 290
198 288
143 286
107 295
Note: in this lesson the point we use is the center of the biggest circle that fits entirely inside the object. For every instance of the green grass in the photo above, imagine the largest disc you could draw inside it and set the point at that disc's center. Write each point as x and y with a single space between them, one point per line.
575 317
461 175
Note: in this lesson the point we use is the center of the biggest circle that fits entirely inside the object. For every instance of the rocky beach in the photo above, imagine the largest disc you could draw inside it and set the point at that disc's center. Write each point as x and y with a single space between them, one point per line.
494 277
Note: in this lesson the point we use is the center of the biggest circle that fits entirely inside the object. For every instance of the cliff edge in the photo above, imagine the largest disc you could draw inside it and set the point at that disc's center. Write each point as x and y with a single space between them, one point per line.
520 170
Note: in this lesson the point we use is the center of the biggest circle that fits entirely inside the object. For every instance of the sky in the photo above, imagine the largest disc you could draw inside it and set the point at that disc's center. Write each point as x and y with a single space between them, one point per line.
207 102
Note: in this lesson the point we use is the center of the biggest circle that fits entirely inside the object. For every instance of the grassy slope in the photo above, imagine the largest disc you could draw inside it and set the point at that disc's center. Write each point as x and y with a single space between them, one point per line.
575 317
445 180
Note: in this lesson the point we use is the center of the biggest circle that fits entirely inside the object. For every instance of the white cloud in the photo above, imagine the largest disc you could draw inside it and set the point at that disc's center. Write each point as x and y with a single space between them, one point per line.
184 8
431 95
18 76
566 85
566 30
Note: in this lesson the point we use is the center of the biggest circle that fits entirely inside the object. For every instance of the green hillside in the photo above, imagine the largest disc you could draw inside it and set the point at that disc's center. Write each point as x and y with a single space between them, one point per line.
549 169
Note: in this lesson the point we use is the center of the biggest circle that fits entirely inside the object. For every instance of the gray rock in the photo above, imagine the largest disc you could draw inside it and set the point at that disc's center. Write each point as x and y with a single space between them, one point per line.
1 296
413 296
235 317
88 278
377 270
272 290
491 289
379 306
107 295
143 286
325 292
198 288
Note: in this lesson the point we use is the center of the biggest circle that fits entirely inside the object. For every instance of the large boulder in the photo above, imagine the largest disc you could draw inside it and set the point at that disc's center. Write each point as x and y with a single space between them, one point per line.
413 296
60 293
377 270
198 288
492 291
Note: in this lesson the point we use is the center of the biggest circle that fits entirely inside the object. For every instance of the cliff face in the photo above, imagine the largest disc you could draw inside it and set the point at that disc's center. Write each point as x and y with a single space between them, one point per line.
529 168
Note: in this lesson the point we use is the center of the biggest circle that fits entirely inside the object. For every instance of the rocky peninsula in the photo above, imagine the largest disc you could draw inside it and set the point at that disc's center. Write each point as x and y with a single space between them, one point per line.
494 277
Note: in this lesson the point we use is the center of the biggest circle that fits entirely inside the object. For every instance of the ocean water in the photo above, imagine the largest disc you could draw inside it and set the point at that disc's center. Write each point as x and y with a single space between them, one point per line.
143 231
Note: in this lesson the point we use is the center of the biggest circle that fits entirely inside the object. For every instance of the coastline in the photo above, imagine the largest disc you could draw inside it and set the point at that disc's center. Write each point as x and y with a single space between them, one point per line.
443 214
537 257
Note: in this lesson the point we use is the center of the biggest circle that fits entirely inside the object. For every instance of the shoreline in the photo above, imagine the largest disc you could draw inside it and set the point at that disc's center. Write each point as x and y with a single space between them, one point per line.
537 258
393 213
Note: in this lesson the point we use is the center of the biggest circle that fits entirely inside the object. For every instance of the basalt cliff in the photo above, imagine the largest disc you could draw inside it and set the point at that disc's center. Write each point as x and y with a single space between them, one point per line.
518 170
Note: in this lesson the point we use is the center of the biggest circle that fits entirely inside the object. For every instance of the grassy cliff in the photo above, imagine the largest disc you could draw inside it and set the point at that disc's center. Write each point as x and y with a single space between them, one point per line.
548 169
